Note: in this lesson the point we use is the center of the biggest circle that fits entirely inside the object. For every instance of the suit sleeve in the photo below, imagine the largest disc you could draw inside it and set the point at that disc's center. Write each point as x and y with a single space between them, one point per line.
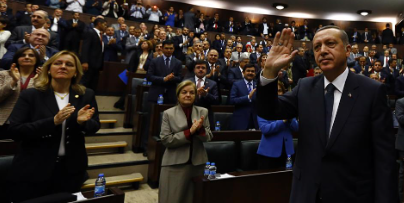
383 149
85 49
212 96
21 125
169 138
400 111
398 90
151 74
269 127
235 98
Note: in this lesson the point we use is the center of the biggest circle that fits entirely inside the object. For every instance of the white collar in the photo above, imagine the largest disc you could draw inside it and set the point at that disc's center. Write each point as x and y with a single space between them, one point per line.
339 82
203 79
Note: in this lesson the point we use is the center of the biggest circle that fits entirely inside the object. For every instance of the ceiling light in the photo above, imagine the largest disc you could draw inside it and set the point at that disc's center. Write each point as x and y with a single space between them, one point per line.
364 12
280 6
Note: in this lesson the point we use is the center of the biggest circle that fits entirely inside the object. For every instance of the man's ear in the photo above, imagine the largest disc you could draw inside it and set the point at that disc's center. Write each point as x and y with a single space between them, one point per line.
348 49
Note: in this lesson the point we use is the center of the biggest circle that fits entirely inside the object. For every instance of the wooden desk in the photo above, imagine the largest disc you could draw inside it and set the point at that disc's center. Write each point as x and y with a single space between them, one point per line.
113 195
247 186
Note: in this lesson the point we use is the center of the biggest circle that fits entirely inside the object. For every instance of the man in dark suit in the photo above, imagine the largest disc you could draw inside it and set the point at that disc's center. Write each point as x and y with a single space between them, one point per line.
346 139
38 40
304 31
225 66
229 26
207 90
256 55
387 35
362 67
189 19
112 45
4 12
300 66
370 60
214 24
263 28
74 32
121 33
401 40
399 88
92 52
24 17
21 33
164 73
355 37
130 43
236 73
181 43
366 36
242 95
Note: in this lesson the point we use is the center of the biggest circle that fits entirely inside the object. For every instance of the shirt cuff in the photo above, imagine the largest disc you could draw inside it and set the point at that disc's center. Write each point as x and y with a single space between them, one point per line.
264 81
187 134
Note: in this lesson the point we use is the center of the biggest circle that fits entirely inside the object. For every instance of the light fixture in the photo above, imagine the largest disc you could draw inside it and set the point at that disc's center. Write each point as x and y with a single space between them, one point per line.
364 12
280 6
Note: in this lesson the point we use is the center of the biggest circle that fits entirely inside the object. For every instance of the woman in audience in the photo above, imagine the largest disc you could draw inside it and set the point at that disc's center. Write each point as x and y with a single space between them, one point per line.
180 21
110 9
20 77
184 128
201 24
158 50
50 121
93 7
216 44
248 49
261 63
141 59
276 141
4 35
170 16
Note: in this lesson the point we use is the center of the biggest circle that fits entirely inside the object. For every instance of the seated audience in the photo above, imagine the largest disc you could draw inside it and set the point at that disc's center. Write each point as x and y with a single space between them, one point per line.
110 9
38 39
184 128
276 141
93 7
19 77
21 33
112 45
4 35
242 96
164 73
75 5
52 157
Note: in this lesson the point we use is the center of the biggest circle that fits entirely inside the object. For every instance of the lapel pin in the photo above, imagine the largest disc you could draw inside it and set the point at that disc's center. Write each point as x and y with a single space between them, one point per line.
349 95
77 96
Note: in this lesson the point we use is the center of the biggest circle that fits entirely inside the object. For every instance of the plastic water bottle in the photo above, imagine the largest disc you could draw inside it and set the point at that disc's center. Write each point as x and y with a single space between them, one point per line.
99 186
160 99
212 171
217 126
149 83
145 81
206 174
289 163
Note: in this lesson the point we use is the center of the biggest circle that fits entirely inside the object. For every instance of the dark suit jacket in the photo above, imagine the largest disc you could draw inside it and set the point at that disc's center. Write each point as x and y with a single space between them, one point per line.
261 28
254 58
22 18
358 160
178 40
211 24
400 119
7 59
91 50
399 87
227 27
111 50
387 36
134 61
156 73
299 68
118 34
72 35
18 34
363 37
245 109
234 75
40 138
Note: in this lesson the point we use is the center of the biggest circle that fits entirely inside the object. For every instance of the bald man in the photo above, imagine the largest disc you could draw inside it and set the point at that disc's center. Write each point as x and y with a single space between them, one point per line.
21 33
38 39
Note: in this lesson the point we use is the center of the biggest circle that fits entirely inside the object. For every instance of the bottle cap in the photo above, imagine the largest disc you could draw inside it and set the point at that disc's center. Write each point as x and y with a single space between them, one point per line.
101 175
217 121
160 95
212 164
289 155
208 163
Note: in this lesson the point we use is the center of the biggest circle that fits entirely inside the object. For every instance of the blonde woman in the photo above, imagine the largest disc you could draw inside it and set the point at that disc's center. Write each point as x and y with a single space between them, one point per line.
50 121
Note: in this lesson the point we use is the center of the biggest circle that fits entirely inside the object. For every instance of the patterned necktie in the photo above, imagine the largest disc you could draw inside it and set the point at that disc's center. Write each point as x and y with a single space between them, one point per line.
249 86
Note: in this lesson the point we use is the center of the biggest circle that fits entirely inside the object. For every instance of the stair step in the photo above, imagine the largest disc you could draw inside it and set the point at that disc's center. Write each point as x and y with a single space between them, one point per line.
107 102
128 158
115 180
113 131
106 145
108 121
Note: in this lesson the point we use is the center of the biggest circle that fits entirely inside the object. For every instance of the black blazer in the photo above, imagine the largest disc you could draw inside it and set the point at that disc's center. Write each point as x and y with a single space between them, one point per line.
32 123
91 50
299 68
359 159
156 73
134 61
18 34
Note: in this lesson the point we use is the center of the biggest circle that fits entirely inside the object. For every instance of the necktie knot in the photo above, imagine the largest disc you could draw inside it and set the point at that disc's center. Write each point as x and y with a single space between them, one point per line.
330 88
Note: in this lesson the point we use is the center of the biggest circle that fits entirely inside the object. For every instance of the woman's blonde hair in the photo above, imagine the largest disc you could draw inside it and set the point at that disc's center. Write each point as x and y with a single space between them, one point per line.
184 84
43 82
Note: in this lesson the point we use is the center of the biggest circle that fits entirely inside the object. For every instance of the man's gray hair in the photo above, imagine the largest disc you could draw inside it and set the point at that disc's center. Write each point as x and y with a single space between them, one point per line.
344 36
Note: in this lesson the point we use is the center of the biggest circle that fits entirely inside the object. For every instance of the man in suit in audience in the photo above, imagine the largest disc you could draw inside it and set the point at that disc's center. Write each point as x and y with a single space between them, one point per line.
371 58
353 56
207 90
112 45
366 36
256 55
399 86
122 32
236 73
401 36
346 139
243 96
74 32
164 73
300 66
387 35
263 28
362 67
225 66
38 40
235 56
24 17
385 58
21 33
365 51
190 59
92 53
229 26
189 19
392 49
355 37
117 26
181 43
131 42
214 24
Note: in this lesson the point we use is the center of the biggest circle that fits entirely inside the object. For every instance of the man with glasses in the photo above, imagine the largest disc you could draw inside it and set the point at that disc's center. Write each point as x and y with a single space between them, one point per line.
21 34
235 56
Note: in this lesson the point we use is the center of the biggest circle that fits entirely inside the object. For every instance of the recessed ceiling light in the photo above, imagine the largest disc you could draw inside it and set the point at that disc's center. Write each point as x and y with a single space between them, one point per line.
280 6
364 12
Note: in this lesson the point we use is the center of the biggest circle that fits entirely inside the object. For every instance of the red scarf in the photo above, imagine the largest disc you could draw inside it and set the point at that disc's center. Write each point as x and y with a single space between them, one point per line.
25 85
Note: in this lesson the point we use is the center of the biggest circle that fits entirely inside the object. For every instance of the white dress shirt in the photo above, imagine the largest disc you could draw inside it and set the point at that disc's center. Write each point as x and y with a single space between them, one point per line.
75 5
102 42
61 104
339 84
